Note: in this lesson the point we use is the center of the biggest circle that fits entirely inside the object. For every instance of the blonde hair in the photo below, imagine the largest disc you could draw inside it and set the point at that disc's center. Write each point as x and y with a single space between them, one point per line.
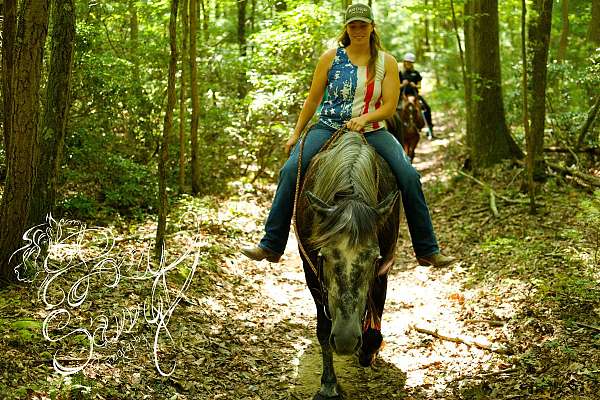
374 47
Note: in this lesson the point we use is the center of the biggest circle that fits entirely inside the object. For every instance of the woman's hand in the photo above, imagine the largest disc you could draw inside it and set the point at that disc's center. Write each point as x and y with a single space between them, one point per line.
287 147
357 124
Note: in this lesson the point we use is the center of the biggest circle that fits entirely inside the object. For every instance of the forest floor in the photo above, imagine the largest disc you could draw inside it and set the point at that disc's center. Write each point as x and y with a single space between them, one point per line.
518 317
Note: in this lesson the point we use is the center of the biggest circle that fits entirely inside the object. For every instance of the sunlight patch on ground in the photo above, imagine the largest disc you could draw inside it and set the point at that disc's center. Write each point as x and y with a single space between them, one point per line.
428 160
422 296
417 296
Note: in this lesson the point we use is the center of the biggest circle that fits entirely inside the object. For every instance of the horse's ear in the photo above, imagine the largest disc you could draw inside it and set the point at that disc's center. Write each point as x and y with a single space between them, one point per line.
320 207
384 208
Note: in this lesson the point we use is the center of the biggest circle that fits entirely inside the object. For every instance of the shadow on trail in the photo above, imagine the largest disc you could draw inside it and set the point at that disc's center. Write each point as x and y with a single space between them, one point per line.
382 381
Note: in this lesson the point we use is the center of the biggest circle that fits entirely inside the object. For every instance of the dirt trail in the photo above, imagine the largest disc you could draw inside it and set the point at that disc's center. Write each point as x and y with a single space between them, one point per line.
412 365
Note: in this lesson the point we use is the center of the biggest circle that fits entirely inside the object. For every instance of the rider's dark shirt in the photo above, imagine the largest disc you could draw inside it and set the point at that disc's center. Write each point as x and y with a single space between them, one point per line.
412 76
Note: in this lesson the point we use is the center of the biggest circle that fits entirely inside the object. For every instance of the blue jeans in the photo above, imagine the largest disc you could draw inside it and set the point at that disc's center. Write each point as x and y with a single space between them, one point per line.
277 227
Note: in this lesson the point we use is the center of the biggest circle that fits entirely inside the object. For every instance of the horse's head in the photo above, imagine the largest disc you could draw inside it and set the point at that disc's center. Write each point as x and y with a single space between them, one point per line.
349 255
410 108
411 116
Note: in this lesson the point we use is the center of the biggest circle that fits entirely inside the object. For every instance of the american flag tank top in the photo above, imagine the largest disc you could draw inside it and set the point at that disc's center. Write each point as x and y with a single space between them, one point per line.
348 94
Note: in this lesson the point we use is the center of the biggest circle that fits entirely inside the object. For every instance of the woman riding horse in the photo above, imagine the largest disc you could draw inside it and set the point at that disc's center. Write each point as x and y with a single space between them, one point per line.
362 85
410 85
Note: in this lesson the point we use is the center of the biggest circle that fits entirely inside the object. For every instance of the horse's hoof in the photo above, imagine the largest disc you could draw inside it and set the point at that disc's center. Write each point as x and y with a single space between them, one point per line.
340 395
372 343
319 396
366 359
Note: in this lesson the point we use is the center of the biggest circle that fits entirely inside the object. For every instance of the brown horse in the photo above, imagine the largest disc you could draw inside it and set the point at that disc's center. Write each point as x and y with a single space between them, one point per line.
406 124
347 221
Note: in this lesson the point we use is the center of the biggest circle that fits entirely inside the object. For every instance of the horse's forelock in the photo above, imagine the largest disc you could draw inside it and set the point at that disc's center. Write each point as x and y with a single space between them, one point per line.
353 220
348 171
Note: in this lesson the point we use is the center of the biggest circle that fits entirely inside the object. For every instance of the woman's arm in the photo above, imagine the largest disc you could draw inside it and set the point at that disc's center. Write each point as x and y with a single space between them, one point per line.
317 89
390 90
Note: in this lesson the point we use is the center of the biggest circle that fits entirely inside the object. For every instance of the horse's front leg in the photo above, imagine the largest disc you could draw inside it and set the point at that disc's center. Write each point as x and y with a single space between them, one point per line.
329 387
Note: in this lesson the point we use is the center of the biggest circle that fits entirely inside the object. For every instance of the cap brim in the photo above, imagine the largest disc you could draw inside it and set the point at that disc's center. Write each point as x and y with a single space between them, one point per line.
364 19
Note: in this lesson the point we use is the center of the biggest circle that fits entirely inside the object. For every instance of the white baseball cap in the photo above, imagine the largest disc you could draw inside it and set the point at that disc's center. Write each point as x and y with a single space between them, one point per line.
410 57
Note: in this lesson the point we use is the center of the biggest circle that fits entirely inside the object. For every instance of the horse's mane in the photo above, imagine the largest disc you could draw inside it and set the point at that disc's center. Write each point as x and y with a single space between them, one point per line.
346 179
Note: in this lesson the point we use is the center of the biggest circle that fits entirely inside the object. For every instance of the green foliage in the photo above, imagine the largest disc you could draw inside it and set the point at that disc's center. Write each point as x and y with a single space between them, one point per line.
249 132
589 220
98 175
128 184
249 103
110 99
592 71
79 206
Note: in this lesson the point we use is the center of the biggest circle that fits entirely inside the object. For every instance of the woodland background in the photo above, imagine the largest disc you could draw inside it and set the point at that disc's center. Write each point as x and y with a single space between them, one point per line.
127 114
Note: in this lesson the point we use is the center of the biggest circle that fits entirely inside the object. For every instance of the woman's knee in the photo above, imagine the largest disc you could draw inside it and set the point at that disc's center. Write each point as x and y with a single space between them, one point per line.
406 174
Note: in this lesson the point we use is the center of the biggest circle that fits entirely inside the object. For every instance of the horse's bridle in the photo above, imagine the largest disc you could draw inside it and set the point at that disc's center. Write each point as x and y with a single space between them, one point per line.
411 120
322 288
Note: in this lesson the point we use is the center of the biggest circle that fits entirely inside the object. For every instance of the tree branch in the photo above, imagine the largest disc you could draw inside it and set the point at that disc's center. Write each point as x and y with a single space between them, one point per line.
589 179
555 149
588 123
495 194
597 328
464 340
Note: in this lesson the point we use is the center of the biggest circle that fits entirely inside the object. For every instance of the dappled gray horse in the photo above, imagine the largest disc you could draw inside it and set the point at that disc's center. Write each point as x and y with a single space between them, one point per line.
347 219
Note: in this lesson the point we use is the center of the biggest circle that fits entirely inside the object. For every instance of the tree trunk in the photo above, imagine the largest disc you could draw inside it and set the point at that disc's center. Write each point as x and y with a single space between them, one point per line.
217 10
461 54
490 139
589 121
32 28
469 33
8 58
241 32
426 27
253 15
58 101
530 160
564 33
539 38
241 28
205 18
134 44
195 100
594 30
183 94
134 32
168 125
